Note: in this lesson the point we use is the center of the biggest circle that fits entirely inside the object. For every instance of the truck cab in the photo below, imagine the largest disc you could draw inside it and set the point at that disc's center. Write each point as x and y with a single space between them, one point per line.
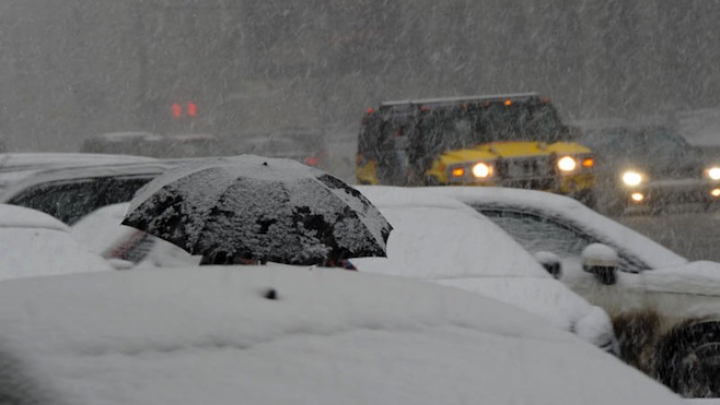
515 140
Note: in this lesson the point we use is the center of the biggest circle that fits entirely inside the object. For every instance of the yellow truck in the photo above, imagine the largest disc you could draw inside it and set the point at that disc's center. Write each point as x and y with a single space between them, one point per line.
515 140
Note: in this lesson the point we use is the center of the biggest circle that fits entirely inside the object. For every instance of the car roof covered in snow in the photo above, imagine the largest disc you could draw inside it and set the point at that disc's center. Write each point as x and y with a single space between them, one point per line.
151 168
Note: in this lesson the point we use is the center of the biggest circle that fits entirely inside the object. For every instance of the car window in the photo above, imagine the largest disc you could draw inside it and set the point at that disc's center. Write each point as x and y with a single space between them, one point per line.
537 233
69 201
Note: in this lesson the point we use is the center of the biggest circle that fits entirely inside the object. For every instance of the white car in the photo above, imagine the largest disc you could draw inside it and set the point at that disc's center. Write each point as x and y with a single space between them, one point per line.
69 193
636 280
35 244
438 239
269 335
17 166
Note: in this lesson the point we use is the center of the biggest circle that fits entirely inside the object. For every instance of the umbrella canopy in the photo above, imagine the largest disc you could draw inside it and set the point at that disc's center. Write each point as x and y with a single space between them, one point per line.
251 206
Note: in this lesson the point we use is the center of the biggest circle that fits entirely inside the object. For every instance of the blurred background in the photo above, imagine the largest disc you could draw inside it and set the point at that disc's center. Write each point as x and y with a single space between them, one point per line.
77 68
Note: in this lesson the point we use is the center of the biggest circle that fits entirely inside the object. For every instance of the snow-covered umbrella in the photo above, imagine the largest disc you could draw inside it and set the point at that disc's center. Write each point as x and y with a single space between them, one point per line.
269 209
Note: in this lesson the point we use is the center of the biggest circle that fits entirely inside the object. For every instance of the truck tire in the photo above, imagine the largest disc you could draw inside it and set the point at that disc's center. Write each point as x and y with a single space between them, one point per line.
689 359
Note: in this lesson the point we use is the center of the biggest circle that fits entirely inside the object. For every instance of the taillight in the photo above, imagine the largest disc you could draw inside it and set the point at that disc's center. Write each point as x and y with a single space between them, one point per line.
312 161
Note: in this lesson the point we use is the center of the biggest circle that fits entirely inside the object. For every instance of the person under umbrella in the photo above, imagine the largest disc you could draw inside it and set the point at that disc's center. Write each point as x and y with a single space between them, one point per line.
247 206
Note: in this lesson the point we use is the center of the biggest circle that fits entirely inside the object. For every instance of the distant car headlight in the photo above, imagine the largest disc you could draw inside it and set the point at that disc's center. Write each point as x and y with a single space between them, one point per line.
632 178
714 173
567 164
482 170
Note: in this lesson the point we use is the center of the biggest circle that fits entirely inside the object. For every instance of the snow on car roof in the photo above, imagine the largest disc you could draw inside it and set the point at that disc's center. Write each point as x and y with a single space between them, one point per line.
126 136
601 227
152 168
215 336
13 161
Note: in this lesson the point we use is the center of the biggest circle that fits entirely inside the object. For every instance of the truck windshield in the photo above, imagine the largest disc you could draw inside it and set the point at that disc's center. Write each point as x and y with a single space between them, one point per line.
457 128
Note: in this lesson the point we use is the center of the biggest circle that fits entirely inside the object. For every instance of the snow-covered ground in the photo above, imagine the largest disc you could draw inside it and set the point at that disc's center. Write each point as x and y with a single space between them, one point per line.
290 335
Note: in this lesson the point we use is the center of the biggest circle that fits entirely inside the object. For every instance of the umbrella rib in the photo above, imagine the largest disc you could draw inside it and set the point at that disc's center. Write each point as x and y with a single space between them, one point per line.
206 219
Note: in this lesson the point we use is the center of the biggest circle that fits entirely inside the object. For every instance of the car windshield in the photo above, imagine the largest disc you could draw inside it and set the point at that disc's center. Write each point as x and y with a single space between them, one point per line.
457 128
538 233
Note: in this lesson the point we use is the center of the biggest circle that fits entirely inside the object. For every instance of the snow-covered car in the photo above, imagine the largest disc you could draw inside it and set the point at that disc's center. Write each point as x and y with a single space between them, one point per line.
305 145
666 310
441 240
16 166
70 193
126 143
159 146
193 145
33 243
291 335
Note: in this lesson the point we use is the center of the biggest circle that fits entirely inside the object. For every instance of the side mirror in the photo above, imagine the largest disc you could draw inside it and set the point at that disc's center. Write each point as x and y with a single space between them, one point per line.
602 261
551 262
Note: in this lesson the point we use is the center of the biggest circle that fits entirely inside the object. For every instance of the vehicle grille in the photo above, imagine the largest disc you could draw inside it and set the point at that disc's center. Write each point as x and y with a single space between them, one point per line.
530 184
538 167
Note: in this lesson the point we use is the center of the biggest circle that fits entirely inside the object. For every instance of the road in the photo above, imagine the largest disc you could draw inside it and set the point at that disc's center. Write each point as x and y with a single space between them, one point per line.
695 235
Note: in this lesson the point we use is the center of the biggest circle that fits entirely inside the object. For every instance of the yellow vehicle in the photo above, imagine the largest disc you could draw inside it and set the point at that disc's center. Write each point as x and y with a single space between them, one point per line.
515 140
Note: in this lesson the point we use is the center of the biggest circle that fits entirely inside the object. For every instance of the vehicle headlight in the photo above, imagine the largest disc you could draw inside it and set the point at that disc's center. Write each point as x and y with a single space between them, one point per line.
482 170
632 178
714 172
567 164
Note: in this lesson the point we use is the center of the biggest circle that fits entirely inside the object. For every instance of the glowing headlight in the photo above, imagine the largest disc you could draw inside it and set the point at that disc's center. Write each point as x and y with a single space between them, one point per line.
714 173
567 164
482 170
632 178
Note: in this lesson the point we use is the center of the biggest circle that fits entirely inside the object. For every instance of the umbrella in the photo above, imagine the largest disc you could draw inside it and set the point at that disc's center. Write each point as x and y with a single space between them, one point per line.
269 209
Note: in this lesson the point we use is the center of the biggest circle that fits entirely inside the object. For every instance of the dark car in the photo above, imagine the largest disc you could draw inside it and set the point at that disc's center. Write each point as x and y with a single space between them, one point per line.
125 143
159 146
307 146
650 167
